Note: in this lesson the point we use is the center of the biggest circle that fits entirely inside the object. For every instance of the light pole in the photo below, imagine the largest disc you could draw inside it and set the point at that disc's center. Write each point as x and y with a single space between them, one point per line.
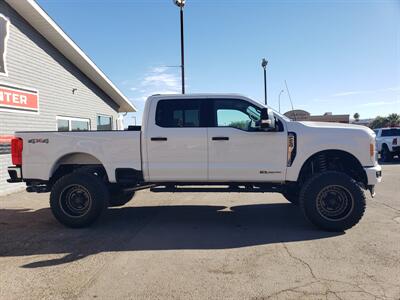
279 99
181 4
264 64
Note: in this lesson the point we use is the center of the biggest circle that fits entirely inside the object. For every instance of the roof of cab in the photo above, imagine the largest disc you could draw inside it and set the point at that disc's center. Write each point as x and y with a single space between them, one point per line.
199 95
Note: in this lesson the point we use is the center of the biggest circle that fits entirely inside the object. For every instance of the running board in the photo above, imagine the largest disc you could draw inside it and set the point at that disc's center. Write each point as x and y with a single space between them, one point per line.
215 189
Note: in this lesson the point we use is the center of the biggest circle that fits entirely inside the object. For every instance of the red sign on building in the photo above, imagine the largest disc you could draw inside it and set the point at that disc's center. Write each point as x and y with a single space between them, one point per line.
16 98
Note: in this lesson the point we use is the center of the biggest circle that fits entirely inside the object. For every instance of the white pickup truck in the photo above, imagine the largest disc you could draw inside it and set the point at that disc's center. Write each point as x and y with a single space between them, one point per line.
388 142
207 140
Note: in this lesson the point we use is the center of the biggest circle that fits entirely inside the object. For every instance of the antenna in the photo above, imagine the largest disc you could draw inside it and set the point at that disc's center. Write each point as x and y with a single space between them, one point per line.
290 98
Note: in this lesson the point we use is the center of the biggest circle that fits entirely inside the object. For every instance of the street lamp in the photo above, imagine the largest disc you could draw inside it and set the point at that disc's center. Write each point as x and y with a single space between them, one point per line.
264 64
279 99
181 4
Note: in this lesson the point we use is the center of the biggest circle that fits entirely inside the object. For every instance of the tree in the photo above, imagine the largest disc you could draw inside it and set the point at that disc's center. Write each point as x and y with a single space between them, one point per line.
393 120
356 116
378 122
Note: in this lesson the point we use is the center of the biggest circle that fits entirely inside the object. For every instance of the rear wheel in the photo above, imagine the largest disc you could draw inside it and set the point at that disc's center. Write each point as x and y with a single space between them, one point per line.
119 197
332 201
78 199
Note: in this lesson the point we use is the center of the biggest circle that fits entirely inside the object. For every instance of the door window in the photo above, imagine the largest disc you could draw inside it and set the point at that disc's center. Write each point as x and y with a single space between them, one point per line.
178 113
238 114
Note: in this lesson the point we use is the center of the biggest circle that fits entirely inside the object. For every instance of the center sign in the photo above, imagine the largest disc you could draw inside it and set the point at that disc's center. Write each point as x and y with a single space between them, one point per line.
18 99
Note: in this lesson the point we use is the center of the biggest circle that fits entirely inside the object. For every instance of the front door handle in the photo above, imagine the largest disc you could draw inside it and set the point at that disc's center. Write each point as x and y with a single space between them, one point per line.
159 139
220 138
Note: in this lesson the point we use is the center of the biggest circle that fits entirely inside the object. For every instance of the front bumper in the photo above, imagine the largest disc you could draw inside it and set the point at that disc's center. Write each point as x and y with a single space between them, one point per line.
374 174
15 174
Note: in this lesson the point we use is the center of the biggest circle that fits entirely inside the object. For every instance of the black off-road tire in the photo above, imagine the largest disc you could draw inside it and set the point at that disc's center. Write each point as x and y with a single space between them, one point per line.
323 189
118 197
291 195
386 156
78 199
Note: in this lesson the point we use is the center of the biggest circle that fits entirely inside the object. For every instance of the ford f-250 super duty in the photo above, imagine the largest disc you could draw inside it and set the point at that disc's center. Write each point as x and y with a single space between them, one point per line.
388 142
207 140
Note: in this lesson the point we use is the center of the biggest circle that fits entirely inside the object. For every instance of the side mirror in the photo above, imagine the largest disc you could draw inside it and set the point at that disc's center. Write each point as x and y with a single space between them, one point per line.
267 121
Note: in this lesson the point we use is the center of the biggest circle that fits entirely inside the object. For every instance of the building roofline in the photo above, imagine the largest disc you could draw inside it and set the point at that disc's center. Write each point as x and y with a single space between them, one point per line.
48 28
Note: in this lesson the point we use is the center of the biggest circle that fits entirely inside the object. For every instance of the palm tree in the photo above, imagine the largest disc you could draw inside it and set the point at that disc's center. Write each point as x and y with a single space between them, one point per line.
356 116
393 120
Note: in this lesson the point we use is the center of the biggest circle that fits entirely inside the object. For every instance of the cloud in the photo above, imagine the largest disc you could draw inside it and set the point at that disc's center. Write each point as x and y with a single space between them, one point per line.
363 92
158 80
380 103
159 69
161 79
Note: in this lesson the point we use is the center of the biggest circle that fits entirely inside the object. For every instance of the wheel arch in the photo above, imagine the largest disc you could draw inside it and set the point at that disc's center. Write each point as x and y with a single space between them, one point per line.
72 161
333 159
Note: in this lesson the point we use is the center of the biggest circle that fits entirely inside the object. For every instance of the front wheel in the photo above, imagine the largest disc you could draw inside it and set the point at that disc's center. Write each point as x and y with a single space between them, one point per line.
78 199
332 201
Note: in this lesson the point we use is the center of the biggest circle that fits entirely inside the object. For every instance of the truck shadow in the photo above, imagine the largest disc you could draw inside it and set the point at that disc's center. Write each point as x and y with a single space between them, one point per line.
393 162
26 232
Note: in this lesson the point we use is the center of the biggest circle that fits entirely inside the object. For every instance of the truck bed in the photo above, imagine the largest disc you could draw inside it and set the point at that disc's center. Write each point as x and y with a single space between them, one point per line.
43 151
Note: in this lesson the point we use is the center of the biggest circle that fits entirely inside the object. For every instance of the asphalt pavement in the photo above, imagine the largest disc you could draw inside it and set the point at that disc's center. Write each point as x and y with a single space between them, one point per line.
200 246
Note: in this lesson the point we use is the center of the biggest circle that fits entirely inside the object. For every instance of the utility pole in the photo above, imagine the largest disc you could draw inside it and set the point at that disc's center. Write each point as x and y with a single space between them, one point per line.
264 64
181 4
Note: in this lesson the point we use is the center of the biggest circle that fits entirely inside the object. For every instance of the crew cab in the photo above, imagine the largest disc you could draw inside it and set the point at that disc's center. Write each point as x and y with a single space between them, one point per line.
223 141
388 142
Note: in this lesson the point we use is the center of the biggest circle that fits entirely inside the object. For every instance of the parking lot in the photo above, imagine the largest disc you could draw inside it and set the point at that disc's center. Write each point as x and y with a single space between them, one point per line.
201 246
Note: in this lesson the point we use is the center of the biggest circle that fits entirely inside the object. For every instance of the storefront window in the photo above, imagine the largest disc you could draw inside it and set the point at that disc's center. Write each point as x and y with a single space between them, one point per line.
72 124
79 125
104 123
62 125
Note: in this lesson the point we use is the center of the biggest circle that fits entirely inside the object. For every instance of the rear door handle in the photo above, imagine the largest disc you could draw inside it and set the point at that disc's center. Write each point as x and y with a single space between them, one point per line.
159 139
220 138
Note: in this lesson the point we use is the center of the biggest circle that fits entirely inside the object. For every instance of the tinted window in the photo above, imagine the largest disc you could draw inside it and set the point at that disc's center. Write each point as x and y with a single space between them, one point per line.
178 113
391 132
104 123
238 114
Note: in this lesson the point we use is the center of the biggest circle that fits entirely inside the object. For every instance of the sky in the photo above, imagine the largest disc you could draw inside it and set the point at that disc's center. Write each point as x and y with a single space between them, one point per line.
336 56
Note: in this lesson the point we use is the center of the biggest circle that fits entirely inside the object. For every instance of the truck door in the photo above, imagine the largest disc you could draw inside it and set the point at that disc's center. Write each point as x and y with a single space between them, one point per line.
239 150
177 141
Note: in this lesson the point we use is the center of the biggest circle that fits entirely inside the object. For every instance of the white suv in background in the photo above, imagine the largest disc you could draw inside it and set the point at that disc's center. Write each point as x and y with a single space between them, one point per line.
388 142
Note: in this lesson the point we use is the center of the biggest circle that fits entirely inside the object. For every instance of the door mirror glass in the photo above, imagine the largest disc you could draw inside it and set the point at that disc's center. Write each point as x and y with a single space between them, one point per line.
267 121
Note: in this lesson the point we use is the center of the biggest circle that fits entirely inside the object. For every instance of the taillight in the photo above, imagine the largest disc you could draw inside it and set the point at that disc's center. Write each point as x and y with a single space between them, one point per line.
16 151
394 141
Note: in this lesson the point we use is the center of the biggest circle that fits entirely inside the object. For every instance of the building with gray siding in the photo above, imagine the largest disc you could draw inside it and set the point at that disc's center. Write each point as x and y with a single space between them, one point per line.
47 83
